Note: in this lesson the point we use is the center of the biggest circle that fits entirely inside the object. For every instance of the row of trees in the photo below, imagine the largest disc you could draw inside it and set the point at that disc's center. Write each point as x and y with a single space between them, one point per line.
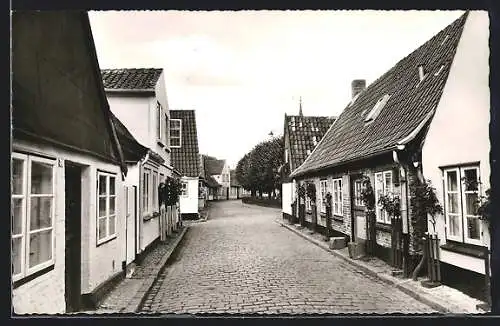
258 170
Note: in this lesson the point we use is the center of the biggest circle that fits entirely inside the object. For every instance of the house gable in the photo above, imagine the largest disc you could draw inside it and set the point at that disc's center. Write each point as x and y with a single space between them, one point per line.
411 102
57 91
186 157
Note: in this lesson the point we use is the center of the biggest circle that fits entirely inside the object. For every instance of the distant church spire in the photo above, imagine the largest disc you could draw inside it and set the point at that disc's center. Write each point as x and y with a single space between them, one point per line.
300 106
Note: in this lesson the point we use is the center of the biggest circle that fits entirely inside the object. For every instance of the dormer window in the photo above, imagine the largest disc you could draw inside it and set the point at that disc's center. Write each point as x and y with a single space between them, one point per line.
308 152
175 133
300 124
377 108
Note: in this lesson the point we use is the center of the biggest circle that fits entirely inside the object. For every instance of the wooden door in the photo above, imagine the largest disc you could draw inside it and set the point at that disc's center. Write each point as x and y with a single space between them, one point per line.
358 215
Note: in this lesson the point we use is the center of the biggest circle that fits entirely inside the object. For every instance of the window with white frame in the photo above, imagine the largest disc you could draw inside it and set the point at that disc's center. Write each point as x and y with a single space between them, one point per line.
462 191
155 191
159 121
32 230
106 206
166 131
374 112
146 176
308 204
358 187
175 132
184 188
383 187
323 188
337 197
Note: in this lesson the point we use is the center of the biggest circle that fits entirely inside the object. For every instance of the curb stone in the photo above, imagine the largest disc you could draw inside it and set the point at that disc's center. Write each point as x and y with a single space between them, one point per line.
400 284
138 299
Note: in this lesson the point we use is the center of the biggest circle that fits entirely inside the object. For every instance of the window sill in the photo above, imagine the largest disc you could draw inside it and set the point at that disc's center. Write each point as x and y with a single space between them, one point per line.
338 218
464 249
383 226
104 241
31 277
150 216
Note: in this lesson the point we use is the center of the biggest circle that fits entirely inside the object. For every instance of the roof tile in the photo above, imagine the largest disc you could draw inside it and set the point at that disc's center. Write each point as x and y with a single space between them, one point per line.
186 158
131 78
410 102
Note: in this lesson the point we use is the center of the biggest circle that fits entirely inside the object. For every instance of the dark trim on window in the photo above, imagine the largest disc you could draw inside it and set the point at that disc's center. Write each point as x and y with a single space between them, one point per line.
102 243
383 226
160 143
461 165
34 153
31 277
464 249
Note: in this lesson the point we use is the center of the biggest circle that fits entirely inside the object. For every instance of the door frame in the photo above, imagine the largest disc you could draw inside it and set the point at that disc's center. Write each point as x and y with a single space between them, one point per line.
352 180
76 270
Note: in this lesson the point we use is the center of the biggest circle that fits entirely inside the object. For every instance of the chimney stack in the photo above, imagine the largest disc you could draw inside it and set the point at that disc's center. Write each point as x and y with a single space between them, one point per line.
357 86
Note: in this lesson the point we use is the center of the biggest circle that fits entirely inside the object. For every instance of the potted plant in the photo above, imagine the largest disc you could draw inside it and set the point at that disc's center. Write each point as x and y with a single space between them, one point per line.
424 203
328 199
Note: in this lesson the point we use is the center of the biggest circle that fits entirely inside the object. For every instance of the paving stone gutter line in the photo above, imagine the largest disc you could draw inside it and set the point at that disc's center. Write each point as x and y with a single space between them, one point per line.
401 284
137 301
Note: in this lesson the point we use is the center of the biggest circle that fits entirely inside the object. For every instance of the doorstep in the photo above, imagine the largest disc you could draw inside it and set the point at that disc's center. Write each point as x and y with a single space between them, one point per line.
129 294
442 298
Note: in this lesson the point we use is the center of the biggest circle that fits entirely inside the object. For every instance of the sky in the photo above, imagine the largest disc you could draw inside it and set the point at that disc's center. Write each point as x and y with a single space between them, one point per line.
243 70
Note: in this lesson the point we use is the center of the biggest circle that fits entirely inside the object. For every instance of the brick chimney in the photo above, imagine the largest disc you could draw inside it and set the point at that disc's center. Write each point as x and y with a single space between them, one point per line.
357 85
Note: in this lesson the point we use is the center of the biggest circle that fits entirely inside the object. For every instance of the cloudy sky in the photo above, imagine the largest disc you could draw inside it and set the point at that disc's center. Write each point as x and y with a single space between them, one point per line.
242 71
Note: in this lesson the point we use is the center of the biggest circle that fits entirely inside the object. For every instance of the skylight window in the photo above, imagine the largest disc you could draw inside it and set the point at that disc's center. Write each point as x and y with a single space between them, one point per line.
445 38
353 99
308 152
377 108
421 72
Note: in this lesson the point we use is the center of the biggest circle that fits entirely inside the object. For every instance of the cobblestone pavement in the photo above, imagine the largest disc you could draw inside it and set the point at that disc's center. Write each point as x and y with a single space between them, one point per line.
240 261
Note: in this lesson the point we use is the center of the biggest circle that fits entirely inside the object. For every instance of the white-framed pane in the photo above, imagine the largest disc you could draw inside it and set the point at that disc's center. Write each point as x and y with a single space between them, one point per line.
388 182
41 178
175 142
473 228
102 184
111 221
471 178
17 215
112 185
102 230
175 133
17 176
40 212
471 203
17 248
452 203
102 206
175 124
454 227
112 205
451 180
40 247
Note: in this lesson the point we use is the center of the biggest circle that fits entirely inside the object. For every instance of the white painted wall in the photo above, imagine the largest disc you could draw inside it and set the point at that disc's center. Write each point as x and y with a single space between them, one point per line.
150 231
46 293
459 130
135 114
287 197
189 203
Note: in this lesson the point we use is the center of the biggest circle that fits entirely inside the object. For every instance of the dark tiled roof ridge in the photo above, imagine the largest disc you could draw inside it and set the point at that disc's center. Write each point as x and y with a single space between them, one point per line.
187 158
130 78
411 102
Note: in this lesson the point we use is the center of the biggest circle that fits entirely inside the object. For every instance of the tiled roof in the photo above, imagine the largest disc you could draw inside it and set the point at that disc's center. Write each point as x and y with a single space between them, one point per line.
304 134
212 183
350 138
234 180
213 166
131 78
132 150
186 158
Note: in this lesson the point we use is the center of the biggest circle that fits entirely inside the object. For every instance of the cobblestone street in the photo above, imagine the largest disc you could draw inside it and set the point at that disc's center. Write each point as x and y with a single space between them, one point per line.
240 261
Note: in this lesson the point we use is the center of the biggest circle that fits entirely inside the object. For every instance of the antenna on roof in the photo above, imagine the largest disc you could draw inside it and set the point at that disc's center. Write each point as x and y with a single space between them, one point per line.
300 106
